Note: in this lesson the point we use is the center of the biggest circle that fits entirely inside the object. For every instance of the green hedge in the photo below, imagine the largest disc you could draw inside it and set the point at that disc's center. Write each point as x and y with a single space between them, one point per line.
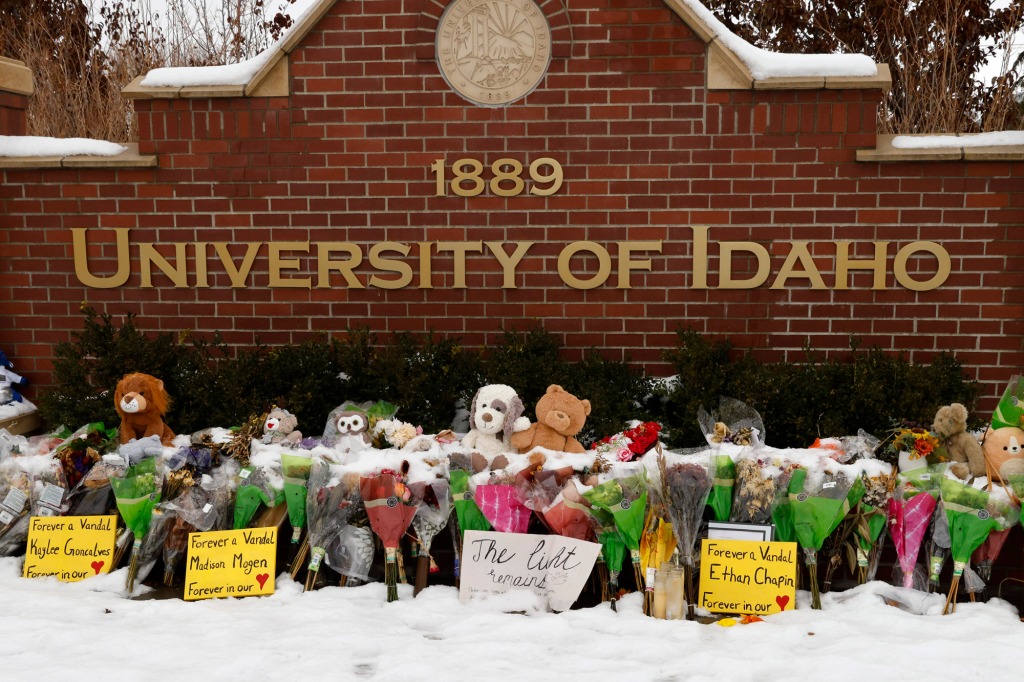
429 377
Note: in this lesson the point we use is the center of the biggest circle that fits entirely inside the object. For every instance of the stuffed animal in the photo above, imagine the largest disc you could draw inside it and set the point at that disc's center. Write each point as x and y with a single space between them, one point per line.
279 428
141 402
1004 451
950 426
560 416
353 431
8 380
496 413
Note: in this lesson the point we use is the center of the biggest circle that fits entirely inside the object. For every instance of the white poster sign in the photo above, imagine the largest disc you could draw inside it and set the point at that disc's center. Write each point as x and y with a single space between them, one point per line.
549 565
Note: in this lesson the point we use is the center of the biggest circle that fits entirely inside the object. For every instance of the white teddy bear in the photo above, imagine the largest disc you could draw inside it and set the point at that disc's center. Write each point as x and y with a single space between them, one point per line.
496 413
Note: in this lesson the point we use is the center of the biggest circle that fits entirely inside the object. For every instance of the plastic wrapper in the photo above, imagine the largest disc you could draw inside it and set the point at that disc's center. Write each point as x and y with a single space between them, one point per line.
566 514
988 552
431 518
500 505
93 496
972 514
820 501
758 490
734 422
1010 409
721 495
15 498
391 507
79 453
909 512
137 493
350 552
203 507
330 504
683 489
295 469
11 444
255 487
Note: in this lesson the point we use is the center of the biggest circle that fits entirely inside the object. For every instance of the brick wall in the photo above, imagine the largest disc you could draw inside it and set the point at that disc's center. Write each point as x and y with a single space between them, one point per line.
647 152
12 113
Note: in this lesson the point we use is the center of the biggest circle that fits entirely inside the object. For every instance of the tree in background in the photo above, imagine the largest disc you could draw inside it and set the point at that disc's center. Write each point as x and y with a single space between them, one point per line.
81 59
934 49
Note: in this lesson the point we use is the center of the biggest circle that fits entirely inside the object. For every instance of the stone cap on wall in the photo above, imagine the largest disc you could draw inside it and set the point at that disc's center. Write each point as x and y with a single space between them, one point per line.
270 81
15 77
127 159
885 152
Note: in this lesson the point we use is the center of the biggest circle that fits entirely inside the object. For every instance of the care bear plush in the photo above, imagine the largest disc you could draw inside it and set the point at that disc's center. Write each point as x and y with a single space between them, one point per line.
496 413
142 402
560 416
964 449
280 428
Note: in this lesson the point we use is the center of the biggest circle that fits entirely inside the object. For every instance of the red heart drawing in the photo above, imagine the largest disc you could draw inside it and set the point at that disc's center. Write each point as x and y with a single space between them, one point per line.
96 566
262 578
782 601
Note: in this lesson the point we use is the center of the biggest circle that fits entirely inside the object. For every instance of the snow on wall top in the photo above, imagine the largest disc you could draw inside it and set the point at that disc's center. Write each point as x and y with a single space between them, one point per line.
764 64
994 139
27 145
227 74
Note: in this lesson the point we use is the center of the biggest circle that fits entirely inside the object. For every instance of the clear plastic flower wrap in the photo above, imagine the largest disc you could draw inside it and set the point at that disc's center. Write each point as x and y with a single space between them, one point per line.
734 422
909 513
391 507
350 553
256 485
93 496
15 498
137 493
431 517
333 498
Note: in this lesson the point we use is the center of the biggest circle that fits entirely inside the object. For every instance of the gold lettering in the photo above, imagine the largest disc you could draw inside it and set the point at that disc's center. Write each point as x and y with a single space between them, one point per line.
727 249
241 273
627 265
149 256
324 264
459 250
79 245
277 264
390 265
903 255
844 264
700 257
799 252
509 263
202 281
604 265
426 279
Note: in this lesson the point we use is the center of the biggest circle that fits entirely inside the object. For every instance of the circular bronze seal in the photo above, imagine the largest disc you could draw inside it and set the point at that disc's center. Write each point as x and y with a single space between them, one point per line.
493 52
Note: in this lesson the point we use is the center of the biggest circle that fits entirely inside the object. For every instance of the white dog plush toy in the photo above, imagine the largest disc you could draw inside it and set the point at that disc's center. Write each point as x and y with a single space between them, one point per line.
496 413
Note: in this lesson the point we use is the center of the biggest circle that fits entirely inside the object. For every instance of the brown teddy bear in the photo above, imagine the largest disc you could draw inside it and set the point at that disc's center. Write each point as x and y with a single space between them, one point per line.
964 449
141 402
560 416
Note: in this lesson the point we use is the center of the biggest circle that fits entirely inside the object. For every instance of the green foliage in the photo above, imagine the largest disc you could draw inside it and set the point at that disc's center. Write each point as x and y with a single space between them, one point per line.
430 377
869 390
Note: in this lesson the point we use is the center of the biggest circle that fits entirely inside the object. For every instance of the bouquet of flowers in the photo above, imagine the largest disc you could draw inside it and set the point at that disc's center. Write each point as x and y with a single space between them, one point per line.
467 514
869 520
295 469
83 449
683 490
734 422
431 517
820 500
93 496
972 514
330 504
720 497
630 444
15 494
499 502
350 553
391 507
759 487
202 507
613 553
909 513
1010 409
255 486
393 433
912 447
625 497
137 493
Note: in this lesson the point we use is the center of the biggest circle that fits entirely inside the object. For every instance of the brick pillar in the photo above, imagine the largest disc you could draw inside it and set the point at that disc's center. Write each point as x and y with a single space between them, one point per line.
15 87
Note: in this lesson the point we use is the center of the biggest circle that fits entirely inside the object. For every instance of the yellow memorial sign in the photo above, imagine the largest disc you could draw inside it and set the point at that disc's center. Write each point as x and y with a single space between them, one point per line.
71 548
231 563
743 576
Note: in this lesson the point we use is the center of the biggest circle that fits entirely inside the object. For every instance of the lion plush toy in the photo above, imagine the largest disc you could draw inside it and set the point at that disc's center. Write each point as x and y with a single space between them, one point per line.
141 402
280 428
950 426
560 416
495 414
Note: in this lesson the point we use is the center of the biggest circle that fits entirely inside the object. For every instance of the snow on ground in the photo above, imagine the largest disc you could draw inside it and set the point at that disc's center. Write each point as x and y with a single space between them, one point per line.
993 139
765 64
48 628
28 145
